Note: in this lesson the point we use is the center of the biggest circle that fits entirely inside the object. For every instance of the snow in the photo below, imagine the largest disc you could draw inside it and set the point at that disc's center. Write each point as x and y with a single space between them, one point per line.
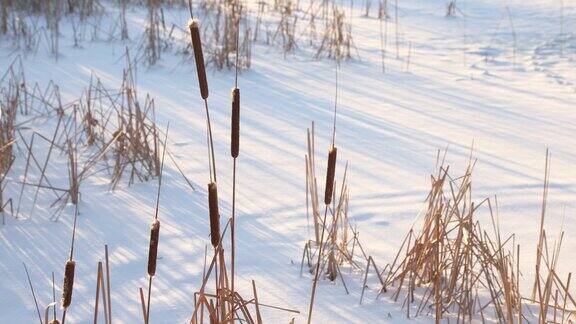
464 85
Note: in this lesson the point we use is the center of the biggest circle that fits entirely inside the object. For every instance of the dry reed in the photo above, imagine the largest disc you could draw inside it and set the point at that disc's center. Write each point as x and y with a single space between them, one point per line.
33 293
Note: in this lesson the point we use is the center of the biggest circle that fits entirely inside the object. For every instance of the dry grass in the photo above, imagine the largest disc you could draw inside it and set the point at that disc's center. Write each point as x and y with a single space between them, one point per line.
454 263
230 27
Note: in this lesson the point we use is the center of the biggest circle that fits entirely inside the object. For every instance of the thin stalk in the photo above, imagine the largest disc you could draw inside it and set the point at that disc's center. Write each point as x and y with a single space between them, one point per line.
33 293
232 229
148 301
54 294
108 284
317 271
233 223
156 215
335 108
210 142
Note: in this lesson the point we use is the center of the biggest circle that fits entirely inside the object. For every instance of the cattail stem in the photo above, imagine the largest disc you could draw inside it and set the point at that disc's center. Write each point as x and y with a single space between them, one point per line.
237 45
33 293
97 299
108 284
335 108
142 303
258 316
148 302
104 293
73 233
210 141
155 231
235 151
232 231
161 171
317 272
54 296
190 9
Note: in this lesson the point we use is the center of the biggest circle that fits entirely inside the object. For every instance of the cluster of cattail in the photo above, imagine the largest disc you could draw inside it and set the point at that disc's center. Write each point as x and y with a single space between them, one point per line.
194 27
226 300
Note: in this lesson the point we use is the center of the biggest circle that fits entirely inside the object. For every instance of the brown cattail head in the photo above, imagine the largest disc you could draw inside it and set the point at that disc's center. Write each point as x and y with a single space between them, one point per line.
214 215
153 251
67 287
330 171
194 26
235 140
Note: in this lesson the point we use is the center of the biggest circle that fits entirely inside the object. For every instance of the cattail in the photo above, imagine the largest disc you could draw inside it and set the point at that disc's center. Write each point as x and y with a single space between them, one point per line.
235 140
153 251
68 283
330 175
197 47
214 215
54 321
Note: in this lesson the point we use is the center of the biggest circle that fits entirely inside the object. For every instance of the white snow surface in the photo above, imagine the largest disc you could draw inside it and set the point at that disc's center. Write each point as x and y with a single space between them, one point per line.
466 82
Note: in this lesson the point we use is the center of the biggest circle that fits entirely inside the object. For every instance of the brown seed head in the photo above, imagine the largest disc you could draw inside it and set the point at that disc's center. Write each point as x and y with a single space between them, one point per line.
68 284
199 57
214 214
153 251
330 172
235 127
